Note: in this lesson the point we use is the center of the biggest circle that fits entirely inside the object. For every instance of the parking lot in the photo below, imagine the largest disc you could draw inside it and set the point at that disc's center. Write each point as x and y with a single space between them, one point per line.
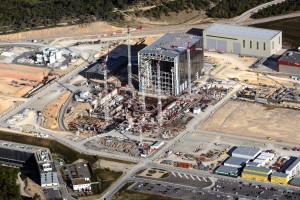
171 190
240 188
186 179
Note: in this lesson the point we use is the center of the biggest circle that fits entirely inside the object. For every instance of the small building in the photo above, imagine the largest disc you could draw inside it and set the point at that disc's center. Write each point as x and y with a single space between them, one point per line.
242 40
156 145
246 152
295 182
196 110
279 178
256 173
227 171
294 168
235 162
289 63
80 184
79 175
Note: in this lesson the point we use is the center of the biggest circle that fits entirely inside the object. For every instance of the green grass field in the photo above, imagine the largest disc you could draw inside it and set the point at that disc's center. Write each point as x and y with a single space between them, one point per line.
290 30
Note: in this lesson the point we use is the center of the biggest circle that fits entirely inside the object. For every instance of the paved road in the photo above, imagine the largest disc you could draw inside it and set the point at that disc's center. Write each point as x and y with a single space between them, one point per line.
248 13
63 187
269 19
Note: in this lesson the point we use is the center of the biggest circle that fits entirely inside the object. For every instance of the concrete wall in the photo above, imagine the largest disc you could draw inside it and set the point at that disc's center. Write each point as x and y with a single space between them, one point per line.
289 69
249 46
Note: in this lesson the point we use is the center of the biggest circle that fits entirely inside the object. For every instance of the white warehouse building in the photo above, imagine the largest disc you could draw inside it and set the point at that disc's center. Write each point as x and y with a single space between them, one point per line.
242 40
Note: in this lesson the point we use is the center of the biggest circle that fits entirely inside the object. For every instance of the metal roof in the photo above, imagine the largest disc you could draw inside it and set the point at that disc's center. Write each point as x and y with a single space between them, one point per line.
227 169
295 181
280 174
166 45
243 31
293 165
291 56
246 151
257 169
236 161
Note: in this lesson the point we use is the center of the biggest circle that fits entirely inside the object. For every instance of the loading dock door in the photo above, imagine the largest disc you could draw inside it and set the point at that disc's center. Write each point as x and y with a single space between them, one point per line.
211 44
236 48
221 45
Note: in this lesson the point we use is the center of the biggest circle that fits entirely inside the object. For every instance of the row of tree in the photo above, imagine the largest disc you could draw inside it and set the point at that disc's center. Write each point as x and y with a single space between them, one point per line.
177 6
279 9
8 187
233 8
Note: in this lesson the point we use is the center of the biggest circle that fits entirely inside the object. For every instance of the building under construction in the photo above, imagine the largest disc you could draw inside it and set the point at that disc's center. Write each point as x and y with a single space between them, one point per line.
170 52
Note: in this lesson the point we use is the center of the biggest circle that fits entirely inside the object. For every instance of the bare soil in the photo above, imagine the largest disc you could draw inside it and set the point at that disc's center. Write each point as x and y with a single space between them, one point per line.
114 166
51 111
32 188
67 31
17 80
255 120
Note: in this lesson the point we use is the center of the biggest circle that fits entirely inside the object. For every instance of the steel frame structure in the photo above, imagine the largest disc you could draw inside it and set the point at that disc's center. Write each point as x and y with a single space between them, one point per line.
148 75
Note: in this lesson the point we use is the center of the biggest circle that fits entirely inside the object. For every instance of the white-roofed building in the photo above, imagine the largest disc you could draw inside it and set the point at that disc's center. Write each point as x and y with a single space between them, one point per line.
242 40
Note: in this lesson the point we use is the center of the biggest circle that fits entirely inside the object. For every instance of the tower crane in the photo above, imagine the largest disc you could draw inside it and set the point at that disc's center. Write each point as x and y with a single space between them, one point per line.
159 104
129 66
104 69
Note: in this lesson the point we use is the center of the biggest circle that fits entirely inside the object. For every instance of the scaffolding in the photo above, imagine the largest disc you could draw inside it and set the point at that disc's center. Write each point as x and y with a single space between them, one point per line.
173 64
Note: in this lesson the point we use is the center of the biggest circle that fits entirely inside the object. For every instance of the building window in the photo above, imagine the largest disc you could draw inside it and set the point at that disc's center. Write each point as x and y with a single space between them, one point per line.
250 44
264 46
273 45
243 43
257 45
279 39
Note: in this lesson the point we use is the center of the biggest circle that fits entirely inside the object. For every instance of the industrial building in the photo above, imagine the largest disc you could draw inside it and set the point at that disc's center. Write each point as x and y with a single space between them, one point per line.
79 175
246 152
242 40
36 159
289 63
294 168
171 53
279 178
113 65
227 171
235 162
256 173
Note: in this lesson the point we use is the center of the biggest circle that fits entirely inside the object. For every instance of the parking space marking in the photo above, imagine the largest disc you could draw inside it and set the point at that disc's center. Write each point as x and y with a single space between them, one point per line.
204 179
186 176
198 178
179 175
192 177
173 174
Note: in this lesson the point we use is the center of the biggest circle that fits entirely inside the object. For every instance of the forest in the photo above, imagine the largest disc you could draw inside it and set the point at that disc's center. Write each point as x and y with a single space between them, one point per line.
30 14
232 8
177 6
279 9
8 187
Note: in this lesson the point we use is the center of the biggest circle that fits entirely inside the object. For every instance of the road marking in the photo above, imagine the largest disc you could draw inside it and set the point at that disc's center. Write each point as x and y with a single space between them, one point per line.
186 176
204 179
173 174
179 175
192 177
198 178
